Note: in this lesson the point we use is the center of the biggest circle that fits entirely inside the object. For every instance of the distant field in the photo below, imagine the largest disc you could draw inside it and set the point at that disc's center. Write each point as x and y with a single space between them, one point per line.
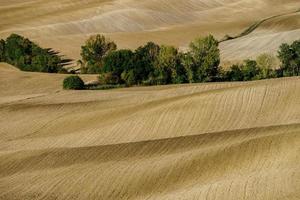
197 141
65 24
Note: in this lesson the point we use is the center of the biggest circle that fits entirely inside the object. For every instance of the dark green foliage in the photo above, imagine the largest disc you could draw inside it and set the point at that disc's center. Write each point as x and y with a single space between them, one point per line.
118 61
234 74
245 72
289 56
93 53
2 51
250 70
144 59
28 56
128 77
105 87
73 83
18 51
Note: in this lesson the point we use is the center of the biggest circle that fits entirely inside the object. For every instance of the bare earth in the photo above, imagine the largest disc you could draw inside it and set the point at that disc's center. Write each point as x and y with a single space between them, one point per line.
216 141
199 141
66 24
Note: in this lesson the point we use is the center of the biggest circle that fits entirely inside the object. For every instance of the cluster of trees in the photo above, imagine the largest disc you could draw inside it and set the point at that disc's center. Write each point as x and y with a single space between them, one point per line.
152 64
28 56
261 68
265 65
289 56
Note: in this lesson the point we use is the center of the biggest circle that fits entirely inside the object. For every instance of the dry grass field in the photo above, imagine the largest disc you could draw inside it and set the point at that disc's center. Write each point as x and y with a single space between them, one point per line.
66 24
211 141
198 141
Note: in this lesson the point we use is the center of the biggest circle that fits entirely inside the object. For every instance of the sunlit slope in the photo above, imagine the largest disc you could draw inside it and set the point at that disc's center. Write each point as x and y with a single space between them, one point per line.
266 38
200 141
65 24
261 163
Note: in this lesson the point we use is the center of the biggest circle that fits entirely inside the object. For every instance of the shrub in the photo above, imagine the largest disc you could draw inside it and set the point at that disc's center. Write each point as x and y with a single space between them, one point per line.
73 83
105 87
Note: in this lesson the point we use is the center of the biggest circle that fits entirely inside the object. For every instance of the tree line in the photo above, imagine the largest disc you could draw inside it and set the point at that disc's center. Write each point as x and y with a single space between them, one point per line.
151 64
28 56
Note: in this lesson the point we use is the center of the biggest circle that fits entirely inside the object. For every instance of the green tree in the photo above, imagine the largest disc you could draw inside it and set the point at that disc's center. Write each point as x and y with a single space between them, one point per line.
250 70
94 50
289 56
169 68
16 49
234 74
167 64
190 69
118 61
144 61
206 56
296 62
267 64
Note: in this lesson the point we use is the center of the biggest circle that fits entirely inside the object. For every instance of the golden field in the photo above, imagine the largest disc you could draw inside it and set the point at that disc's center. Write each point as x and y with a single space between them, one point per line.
198 141
210 141
65 24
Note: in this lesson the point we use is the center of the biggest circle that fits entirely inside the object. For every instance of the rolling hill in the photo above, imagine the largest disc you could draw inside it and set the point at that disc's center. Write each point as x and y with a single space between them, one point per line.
210 141
198 141
65 24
